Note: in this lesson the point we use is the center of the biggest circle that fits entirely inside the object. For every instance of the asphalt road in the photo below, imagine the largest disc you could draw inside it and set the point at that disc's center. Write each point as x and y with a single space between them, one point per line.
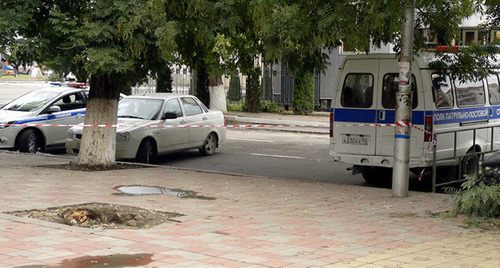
12 90
287 155
277 154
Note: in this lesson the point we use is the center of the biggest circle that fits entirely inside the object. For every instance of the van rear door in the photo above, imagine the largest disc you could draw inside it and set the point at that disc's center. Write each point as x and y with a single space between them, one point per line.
355 111
386 113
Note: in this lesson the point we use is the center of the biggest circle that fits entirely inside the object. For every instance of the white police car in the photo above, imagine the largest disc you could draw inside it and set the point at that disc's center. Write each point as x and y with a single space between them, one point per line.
24 121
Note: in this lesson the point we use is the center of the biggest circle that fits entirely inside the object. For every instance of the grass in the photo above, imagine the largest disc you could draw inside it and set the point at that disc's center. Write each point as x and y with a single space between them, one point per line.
22 77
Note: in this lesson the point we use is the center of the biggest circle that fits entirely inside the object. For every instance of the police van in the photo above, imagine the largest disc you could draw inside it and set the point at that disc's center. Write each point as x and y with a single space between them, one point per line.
461 114
25 122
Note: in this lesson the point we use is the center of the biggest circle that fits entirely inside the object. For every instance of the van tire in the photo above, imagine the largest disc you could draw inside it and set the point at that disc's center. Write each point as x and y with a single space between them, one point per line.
377 175
470 165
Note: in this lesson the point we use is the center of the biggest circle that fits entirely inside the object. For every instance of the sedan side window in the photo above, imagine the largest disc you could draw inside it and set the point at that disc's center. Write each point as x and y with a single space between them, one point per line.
191 107
173 106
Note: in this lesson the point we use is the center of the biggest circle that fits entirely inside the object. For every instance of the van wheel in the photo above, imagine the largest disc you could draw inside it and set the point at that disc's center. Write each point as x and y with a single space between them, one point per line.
210 145
146 152
29 142
377 175
470 165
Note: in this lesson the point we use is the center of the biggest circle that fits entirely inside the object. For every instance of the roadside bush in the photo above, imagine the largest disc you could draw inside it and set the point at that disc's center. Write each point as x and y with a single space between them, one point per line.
235 107
270 107
478 198
56 77
303 93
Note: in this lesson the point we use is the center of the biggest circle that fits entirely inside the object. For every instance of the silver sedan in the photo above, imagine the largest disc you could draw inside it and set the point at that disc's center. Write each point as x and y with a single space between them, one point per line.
160 123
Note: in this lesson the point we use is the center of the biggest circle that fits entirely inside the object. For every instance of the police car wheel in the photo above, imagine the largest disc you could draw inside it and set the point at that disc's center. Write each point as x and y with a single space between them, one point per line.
29 142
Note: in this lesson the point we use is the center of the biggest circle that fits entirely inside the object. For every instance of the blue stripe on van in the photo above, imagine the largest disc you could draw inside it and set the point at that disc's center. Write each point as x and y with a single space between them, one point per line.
355 115
462 115
372 116
495 112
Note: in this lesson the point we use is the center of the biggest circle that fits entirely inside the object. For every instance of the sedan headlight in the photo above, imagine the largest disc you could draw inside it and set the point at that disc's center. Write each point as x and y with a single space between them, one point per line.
122 136
6 124
71 134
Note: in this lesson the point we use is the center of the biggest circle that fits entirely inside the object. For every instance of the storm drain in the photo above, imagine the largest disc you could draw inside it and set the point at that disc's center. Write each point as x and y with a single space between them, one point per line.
100 215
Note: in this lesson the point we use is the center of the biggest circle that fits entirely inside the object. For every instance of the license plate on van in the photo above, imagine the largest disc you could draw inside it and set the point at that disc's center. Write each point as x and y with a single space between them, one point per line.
355 139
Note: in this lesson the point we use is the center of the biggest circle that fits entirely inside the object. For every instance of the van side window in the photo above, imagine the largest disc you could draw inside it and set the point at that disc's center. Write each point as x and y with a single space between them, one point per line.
442 91
494 89
391 86
357 91
470 93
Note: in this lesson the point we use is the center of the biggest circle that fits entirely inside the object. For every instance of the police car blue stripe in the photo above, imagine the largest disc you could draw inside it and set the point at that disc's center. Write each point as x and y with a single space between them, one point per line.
51 117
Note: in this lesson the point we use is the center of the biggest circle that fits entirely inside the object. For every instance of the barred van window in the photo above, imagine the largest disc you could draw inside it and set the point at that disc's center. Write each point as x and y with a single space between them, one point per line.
390 87
470 93
357 91
494 88
442 91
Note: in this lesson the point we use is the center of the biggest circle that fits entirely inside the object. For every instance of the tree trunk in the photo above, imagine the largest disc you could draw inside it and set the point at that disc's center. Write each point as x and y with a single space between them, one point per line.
201 85
252 98
98 143
217 95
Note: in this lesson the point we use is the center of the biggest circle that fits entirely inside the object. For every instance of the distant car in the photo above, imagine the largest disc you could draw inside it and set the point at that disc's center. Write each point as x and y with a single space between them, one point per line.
56 105
138 136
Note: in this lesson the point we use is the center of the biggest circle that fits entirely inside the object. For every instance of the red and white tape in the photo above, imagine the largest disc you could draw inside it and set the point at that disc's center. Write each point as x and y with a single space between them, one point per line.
399 123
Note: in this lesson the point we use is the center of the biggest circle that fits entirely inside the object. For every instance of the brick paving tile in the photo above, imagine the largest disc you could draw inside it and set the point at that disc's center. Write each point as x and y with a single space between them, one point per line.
253 222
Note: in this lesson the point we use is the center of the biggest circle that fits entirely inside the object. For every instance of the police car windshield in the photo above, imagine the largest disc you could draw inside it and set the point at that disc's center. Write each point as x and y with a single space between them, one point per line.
31 101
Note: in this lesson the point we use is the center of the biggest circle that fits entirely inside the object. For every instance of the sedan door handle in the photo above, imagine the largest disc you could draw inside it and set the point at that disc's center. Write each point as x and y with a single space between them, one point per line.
205 118
80 116
183 122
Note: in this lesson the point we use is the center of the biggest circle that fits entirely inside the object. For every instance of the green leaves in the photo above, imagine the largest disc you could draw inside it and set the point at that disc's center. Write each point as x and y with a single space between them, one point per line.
478 198
473 62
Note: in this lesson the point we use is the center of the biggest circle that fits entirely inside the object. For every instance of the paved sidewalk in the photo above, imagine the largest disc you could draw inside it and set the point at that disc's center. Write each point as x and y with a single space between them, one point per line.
317 123
253 222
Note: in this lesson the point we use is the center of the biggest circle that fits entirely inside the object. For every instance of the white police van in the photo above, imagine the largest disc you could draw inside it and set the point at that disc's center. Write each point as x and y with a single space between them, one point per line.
461 114
55 105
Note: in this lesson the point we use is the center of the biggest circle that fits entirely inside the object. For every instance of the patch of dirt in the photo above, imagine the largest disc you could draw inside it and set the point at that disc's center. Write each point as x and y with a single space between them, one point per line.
116 166
100 215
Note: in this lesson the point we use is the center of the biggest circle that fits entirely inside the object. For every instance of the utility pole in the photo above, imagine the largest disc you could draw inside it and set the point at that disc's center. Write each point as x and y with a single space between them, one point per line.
402 135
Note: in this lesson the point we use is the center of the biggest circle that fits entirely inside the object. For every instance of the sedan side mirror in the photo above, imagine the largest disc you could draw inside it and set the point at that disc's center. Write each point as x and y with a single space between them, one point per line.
54 109
169 116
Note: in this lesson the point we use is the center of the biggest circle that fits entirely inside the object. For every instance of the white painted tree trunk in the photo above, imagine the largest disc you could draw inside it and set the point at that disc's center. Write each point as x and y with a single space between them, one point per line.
98 143
218 98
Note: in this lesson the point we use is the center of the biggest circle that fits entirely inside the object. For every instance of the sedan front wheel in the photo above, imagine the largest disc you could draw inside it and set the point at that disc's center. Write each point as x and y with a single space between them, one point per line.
146 152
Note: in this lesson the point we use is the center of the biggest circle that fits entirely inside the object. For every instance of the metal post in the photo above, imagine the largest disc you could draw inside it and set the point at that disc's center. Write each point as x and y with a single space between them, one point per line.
434 167
401 170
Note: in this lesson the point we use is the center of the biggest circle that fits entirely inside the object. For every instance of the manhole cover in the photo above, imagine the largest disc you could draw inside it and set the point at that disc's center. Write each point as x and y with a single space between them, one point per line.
100 215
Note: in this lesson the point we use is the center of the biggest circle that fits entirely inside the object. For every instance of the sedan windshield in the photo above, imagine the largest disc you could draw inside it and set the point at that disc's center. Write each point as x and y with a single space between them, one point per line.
31 101
139 108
